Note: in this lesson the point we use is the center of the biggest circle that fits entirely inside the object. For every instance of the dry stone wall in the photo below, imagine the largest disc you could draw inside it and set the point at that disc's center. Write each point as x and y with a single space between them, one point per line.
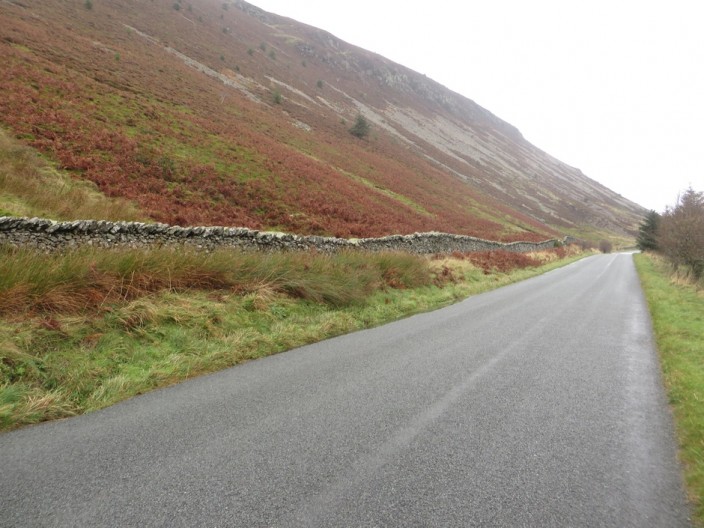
49 235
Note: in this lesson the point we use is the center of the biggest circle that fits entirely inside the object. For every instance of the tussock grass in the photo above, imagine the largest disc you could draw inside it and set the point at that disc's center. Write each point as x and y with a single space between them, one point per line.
31 186
677 310
86 279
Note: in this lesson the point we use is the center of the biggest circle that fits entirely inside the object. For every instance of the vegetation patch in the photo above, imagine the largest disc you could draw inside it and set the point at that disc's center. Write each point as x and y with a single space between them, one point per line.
406 201
680 233
677 310
32 186
87 329
501 261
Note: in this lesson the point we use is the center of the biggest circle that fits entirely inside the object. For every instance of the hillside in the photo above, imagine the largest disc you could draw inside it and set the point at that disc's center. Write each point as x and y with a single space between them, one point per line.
212 112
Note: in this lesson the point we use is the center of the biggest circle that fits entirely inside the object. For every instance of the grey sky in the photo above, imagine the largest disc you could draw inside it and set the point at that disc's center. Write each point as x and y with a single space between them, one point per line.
614 88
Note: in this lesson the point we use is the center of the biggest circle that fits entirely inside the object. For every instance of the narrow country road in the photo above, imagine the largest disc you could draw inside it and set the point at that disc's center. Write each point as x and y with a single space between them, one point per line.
536 405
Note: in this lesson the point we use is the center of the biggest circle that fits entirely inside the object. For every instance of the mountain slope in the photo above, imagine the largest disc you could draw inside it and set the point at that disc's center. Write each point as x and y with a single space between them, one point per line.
211 112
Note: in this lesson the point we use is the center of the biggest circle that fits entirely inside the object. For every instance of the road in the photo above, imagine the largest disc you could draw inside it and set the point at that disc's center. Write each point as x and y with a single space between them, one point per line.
538 404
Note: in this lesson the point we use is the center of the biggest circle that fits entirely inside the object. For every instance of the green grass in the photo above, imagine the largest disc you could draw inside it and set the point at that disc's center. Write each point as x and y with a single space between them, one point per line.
90 328
677 311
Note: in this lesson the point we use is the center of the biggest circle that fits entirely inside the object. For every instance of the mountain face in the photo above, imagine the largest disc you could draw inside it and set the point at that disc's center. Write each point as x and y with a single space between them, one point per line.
217 112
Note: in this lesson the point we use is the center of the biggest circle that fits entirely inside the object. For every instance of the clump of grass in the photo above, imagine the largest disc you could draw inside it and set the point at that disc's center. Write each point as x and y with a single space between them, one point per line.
30 186
677 311
83 280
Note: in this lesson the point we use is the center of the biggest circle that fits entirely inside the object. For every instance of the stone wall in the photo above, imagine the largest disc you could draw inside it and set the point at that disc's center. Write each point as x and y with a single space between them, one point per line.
49 235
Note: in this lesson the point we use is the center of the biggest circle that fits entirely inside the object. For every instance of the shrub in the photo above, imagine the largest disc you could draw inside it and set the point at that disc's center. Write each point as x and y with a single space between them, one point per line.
361 127
277 97
681 232
605 246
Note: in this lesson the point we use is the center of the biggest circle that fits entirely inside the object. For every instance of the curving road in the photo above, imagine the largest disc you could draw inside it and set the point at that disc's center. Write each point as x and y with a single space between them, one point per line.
538 404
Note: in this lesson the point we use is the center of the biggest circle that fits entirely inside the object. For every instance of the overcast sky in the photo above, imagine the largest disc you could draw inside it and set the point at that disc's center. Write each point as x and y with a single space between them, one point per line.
615 88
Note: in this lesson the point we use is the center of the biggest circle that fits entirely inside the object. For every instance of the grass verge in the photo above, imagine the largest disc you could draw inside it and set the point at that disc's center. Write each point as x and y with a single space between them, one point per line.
677 311
87 329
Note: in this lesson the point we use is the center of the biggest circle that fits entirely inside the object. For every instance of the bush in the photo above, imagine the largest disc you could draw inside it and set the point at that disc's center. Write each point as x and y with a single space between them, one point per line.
277 97
681 232
605 246
361 127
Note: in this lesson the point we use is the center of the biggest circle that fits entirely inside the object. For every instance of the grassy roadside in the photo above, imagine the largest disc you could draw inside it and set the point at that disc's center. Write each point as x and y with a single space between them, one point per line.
677 311
83 331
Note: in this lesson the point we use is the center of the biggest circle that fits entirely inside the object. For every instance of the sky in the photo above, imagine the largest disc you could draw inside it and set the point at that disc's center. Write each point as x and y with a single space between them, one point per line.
614 88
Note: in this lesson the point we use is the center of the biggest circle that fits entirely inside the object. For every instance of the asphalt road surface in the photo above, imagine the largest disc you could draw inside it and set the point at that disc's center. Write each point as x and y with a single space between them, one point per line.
539 404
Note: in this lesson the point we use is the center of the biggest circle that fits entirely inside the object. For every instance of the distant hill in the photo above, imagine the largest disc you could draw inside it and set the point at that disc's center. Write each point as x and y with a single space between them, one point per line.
216 112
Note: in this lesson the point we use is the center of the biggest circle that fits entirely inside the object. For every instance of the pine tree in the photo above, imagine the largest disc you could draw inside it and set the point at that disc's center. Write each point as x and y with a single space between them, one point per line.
648 232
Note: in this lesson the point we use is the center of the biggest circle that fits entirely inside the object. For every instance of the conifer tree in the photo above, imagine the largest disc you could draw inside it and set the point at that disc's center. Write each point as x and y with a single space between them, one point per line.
648 231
